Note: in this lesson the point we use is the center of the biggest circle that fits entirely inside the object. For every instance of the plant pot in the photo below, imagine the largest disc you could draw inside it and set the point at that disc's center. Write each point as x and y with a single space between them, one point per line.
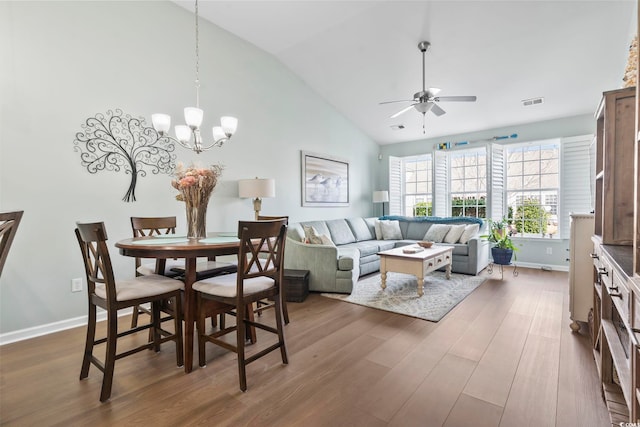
501 256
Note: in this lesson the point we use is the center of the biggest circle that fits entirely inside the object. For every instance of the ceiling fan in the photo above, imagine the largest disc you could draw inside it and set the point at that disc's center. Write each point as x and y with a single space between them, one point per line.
425 100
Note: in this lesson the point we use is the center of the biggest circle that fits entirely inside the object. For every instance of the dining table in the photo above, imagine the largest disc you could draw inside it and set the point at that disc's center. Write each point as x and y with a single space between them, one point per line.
165 247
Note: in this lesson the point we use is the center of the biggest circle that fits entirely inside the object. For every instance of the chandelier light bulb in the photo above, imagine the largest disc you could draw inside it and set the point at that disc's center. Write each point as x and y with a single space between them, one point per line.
193 117
229 125
161 122
183 133
218 133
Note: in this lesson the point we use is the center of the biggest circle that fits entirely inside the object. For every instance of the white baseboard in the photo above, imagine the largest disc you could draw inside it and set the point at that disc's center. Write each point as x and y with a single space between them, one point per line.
50 328
541 266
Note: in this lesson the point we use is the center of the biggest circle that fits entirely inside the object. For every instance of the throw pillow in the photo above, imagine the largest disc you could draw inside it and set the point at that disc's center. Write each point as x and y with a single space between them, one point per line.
437 232
376 226
311 235
390 230
469 231
454 233
326 240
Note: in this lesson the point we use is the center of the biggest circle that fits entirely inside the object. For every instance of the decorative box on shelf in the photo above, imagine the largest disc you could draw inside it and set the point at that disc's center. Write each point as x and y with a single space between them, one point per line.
296 285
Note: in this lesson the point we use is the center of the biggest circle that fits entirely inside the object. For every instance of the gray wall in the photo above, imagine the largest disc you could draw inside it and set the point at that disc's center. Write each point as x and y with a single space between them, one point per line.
532 252
63 62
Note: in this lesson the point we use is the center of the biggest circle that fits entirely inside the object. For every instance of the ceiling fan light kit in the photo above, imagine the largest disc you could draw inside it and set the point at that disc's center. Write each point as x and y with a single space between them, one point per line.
425 100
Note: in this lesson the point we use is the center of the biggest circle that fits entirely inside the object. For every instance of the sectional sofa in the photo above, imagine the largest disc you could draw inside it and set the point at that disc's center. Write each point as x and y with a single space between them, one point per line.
337 252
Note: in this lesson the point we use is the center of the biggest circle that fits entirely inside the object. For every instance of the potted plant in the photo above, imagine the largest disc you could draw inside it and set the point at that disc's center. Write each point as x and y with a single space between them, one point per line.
503 248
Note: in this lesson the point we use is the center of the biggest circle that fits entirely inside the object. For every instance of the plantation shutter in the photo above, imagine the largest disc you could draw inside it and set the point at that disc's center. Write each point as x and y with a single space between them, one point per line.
395 186
441 200
575 179
496 174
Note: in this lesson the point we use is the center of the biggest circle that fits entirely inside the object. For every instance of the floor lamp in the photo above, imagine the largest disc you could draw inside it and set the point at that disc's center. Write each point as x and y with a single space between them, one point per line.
257 189
381 197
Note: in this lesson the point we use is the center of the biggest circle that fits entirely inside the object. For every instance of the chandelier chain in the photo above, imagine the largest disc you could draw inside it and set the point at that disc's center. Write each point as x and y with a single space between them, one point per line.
197 60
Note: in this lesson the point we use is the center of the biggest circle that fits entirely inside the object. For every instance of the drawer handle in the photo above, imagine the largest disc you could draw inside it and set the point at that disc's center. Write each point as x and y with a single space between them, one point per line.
603 271
430 264
617 295
614 289
594 256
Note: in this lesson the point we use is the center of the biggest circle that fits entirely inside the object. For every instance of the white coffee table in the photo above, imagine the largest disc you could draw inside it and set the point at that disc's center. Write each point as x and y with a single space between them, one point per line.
419 263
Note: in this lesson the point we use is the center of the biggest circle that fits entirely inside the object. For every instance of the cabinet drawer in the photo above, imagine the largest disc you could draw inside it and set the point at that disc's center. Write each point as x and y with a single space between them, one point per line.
619 295
605 272
596 255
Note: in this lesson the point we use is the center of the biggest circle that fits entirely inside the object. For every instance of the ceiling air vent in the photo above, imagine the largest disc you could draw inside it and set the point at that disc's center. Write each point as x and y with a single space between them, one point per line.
532 101
397 127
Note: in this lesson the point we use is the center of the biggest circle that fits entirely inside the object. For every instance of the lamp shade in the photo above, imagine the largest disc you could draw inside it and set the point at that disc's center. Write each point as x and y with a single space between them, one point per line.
257 187
380 196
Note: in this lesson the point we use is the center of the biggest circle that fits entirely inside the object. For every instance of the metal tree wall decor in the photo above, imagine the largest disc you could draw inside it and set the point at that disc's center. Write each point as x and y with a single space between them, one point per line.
115 141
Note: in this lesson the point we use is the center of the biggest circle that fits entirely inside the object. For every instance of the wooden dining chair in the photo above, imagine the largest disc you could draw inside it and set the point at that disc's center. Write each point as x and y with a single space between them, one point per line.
268 303
258 277
166 226
105 292
9 222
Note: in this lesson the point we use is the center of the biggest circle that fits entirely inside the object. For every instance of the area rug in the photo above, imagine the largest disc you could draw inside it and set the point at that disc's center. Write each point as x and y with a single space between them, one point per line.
401 294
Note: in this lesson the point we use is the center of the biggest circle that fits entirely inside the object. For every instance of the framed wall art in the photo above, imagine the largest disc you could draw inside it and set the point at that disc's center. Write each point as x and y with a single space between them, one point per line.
325 180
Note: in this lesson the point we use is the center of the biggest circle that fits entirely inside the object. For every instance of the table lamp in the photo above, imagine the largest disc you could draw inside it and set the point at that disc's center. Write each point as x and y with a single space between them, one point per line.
257 189
381 197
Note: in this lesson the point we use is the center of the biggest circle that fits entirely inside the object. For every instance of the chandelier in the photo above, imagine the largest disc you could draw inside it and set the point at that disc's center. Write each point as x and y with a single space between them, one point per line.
193 119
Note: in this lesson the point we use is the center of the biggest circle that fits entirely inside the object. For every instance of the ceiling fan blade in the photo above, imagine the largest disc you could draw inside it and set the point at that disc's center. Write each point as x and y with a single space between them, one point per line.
391 102
437 110
404 110
455 98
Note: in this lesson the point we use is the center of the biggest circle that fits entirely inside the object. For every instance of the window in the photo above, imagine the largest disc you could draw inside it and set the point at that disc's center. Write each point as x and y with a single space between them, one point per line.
468 183
417 182
532 189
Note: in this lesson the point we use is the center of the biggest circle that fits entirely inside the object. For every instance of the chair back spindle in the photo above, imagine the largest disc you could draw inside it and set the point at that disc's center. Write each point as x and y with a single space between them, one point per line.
9 222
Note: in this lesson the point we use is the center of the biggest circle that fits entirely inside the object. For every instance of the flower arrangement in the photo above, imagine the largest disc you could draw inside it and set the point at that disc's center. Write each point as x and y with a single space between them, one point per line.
195 185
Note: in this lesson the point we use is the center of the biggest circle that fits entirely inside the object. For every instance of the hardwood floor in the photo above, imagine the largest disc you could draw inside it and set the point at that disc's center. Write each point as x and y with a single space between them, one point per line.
505 356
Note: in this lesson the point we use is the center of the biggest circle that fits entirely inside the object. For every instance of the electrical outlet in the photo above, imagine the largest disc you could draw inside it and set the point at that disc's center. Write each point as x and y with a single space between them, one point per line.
76 285
549 251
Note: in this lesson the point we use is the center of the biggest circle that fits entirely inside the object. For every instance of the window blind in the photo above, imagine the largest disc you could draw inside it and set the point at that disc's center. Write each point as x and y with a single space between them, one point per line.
496 181
395 186
575 179
441 200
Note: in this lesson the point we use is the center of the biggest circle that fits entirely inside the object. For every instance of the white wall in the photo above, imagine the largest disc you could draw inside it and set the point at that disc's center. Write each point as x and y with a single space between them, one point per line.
63 62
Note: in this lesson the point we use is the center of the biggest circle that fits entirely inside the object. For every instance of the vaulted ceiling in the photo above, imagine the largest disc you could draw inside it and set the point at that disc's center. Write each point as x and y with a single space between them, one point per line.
356 54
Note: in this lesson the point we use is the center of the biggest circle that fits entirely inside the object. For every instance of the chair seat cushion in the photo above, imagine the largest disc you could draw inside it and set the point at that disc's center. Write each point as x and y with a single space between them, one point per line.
141 287
225 286
201 266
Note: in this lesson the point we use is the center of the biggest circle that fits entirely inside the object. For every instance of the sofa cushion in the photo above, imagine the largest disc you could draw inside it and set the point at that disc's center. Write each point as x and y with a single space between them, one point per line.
469 231
390 230
454 233
384 245
371 224
437 232
360 229
416 230
340 231
367 247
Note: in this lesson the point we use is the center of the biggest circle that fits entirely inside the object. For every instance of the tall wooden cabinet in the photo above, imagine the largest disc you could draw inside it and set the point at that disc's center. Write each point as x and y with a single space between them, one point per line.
580 277
615 137
616 301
